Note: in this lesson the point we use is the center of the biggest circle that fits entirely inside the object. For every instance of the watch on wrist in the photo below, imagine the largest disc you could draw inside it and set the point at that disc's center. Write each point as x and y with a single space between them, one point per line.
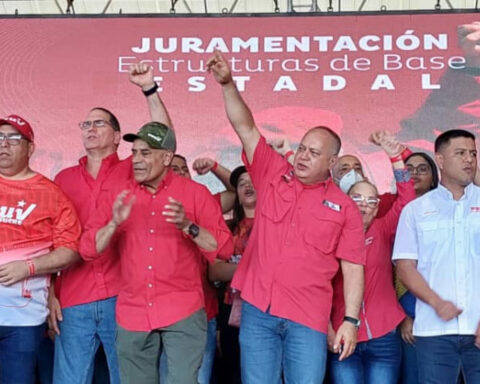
193 230
354 321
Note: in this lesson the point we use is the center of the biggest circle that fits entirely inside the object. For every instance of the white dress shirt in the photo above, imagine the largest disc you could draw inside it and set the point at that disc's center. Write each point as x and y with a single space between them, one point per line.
443 236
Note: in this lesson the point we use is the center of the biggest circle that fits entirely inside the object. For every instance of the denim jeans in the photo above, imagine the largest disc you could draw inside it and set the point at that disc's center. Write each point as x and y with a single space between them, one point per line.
374 361
440 359
205 372
270 344
409 369
82 330
18 353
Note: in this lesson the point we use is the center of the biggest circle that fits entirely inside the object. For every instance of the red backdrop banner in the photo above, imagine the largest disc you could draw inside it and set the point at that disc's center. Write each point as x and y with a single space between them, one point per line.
404 73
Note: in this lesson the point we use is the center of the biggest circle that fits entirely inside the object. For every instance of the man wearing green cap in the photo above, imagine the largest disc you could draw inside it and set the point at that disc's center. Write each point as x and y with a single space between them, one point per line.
161 225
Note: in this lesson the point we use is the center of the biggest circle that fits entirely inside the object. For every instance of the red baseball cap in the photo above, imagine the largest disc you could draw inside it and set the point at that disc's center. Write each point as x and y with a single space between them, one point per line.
20 124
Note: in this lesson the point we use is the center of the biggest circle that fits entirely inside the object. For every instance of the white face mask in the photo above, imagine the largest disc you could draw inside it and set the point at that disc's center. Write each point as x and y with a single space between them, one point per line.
348 179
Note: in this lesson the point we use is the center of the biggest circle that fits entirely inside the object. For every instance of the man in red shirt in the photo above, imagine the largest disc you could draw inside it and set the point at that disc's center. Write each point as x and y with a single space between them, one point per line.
162 226
87 291
39 232
304 228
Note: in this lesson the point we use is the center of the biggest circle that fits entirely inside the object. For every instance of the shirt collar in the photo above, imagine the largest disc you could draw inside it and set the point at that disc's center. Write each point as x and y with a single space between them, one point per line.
164 183
109 160
446 194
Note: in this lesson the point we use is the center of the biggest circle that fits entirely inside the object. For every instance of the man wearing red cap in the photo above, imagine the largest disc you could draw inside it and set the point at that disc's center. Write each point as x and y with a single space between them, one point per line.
39 232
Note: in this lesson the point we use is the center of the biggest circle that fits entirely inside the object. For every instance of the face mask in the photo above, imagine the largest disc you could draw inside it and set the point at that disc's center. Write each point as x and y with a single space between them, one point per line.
348 179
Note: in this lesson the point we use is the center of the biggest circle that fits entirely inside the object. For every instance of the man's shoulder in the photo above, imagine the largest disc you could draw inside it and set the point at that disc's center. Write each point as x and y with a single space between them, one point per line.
67 173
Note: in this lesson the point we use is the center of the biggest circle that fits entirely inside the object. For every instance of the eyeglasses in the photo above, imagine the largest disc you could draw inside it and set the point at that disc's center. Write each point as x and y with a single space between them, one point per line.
421 169
84 125
371 201
11 138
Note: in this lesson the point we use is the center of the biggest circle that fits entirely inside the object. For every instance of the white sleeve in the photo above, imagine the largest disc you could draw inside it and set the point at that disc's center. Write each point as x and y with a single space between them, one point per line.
406 240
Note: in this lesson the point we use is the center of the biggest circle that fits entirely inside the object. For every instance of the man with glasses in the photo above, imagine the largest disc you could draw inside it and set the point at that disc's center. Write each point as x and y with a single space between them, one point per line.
39 232
437 255
87 291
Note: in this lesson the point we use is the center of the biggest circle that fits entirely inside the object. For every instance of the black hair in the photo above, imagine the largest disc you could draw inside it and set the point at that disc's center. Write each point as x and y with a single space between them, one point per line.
238 212
180 157
442 140
112 118
431 163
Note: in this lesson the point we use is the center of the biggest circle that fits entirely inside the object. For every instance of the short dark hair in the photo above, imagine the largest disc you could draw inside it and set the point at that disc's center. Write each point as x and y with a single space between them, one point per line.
446 136
431 163
181 157
336 138
113 119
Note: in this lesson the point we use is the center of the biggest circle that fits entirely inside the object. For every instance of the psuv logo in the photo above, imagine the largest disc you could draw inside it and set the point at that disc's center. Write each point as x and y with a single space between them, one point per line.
16 215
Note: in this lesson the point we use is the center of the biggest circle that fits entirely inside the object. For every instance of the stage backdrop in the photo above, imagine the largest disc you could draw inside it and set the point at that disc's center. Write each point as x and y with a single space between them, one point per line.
405 73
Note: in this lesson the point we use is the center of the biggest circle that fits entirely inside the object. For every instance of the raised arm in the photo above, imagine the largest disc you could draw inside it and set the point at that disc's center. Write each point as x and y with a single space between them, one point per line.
204 165
142 75
238 112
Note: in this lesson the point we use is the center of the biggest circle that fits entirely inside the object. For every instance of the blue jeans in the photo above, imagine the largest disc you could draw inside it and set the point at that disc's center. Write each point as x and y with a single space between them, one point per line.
440 359
409 369
374 361
18 353
205 372
269 344
82 330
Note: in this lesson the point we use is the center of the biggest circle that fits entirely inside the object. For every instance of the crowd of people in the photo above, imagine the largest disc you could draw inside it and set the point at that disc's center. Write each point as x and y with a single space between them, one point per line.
315 277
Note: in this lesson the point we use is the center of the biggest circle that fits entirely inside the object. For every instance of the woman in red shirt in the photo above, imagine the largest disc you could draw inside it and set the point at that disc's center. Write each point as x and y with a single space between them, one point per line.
240 225
378 353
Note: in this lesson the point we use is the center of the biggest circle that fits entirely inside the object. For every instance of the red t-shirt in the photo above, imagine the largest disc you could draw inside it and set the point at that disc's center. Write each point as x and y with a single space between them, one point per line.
300 232
35 218
380 312
35 211
161 268
85 282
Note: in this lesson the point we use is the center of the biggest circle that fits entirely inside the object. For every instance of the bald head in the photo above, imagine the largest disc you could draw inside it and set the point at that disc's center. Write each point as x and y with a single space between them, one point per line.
316 155
344 165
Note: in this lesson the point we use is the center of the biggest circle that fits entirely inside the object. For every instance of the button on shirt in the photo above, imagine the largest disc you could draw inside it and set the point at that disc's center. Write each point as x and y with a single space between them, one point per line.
85 282
161 267
442 235
300 232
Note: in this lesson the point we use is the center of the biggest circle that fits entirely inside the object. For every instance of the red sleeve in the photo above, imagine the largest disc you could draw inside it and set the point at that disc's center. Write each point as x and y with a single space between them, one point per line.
99 216
405 194
66 226
208 215
351 245
266 164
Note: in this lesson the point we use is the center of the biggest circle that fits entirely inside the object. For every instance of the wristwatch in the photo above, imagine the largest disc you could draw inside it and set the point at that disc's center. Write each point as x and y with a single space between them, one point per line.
354 321
193 230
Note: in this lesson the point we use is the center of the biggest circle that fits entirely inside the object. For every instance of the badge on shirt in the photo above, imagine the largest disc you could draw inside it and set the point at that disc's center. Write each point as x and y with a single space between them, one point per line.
474 209
331 205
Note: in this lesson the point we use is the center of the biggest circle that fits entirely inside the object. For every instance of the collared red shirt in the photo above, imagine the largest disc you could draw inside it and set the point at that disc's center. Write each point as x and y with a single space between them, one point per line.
87 281
380 312
161 267
442 234
299 234
35 218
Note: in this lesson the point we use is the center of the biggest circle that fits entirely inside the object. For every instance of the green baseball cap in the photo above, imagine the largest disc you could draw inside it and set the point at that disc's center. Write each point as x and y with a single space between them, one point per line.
156 135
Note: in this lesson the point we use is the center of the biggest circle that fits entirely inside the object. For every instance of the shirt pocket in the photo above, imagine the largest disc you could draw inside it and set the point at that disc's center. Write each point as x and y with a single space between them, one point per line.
279 200
323 234
473 233
433 236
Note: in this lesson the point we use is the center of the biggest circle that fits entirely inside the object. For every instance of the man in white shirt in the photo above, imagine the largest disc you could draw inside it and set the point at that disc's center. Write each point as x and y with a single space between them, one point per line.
437 254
